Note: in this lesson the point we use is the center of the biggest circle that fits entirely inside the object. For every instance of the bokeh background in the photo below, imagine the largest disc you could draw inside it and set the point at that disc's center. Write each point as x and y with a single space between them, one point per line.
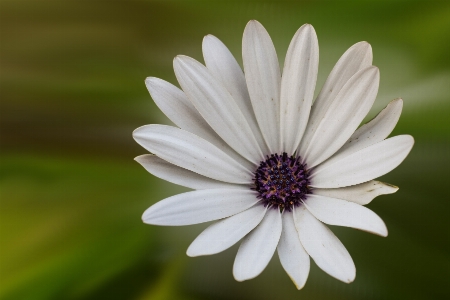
72 91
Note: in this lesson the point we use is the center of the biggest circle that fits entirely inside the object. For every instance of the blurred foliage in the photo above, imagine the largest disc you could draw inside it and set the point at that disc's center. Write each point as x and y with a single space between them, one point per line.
72 91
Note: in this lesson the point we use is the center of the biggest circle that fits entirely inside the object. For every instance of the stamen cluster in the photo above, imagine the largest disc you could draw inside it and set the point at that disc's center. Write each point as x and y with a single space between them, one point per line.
282 181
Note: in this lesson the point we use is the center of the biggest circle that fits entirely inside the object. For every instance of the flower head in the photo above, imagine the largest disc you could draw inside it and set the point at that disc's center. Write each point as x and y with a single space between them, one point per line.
267 163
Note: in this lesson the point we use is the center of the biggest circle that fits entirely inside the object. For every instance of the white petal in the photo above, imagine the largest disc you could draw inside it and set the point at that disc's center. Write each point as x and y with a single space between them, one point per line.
172 173
343 116
323 246
258 247
262 73
363 165
373 132
356 58
293 256
362 193
199 206
224 67
217 107
344 213
176 106
297 86
191 152
225 233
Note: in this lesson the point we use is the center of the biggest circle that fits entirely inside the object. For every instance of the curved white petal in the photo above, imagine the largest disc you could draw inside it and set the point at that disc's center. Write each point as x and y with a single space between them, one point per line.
343 116
293 256
297 86
172 173
363 165
344 213
372 132
262 73
323 246
224 67
176 106
362 193
191 152
217 107
258 247
225 233
199 206
356 58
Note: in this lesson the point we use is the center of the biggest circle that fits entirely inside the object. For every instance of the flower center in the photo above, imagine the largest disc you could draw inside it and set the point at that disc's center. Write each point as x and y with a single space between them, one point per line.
282 181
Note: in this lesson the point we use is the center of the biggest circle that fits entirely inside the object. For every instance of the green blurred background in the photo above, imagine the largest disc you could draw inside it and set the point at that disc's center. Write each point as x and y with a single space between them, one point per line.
72 91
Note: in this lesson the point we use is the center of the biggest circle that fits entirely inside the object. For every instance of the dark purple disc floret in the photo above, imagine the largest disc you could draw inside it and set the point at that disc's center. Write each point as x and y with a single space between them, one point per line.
282 181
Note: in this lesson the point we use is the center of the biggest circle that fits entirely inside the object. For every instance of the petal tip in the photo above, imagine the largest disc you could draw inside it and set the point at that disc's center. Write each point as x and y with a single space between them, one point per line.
148 216
298 286
253 25
364 44
253 22
352 276
149 220
308 26
393 188
363 47
138 132
409 140
150 80
179 58
397 104
307 30
145 220
383 232
194 250
209 37
184 59
152 84
139 158
190 252
238 279
373 69
242 277
210 44
372 72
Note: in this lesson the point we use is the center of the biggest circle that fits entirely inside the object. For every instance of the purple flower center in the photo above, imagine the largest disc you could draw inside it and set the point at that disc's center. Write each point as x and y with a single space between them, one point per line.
282 181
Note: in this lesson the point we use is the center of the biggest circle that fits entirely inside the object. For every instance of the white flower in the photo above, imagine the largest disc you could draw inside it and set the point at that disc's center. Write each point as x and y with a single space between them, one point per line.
264 160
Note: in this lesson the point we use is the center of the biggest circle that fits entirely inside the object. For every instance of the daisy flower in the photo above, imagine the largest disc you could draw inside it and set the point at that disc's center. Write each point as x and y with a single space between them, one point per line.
268 164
